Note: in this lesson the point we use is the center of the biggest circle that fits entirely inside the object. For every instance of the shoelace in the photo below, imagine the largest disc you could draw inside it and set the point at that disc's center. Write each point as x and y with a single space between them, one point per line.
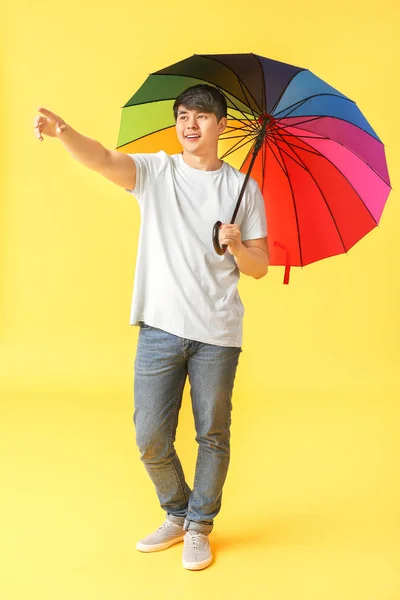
195 538
166 525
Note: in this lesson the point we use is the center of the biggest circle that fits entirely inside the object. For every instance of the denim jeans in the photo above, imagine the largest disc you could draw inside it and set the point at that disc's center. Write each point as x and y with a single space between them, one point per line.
163 363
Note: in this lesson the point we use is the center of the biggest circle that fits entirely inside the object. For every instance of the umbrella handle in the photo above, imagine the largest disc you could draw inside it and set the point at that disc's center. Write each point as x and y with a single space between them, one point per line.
219 249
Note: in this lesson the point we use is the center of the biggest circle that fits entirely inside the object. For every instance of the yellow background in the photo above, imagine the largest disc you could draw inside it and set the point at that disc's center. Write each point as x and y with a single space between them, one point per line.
310 508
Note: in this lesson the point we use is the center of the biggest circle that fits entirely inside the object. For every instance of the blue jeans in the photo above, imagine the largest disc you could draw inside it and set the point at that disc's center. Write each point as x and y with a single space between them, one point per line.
163 362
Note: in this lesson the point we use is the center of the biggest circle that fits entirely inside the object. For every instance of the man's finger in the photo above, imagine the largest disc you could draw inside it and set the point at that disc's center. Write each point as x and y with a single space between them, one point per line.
230 229
229 234
39 121
38 132
49 114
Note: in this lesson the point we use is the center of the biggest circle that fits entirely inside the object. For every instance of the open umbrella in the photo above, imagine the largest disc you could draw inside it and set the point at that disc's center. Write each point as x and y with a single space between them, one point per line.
319 164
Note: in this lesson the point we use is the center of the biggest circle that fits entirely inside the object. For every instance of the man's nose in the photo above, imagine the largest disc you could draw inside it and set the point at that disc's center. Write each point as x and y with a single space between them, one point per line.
192 123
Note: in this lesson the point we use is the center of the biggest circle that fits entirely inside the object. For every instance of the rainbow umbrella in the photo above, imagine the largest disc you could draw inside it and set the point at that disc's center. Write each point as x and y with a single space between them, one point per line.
319 164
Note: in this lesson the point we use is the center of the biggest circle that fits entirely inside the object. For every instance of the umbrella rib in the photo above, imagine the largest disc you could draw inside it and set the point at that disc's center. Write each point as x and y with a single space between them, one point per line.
323 196
278 160
300 102
341 173
247 100
263 161
299 123
294 207
320 137
310 150
234 149
147 135
237 108
248 122
245 117
264 96
250 134
295 106
331 117
287 153
235 74
245 158
238 128
283 91
234 137
308 137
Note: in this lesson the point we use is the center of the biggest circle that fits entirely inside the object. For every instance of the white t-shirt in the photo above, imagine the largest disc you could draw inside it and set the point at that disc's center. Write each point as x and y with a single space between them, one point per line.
181 284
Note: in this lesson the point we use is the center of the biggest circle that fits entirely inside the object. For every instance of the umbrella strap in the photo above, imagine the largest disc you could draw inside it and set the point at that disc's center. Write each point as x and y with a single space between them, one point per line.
287 261
287 275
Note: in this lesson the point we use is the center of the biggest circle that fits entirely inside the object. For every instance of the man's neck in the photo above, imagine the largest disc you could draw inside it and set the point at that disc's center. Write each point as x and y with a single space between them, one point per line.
203 163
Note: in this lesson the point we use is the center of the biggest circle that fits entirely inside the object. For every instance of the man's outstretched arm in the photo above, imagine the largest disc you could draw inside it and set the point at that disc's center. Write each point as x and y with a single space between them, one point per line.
115 166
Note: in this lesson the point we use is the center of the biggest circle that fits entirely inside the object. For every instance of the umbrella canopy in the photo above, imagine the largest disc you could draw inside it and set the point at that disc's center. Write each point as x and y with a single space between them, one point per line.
320 165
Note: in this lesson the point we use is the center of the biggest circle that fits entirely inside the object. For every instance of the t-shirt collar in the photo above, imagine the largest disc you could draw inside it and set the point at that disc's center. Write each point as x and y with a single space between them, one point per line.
192 171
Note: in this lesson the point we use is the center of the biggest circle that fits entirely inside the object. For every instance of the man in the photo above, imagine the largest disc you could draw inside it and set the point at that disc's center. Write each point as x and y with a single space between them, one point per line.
186 303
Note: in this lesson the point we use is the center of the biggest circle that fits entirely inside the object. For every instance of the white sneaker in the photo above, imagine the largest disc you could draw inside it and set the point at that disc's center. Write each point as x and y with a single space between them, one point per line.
196 551
167 535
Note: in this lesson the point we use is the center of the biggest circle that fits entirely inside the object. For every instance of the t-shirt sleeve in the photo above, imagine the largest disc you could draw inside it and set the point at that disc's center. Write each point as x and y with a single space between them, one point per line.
254 224
148 167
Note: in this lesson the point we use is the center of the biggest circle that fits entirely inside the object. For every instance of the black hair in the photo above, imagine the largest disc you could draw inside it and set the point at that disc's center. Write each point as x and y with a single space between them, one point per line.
202 97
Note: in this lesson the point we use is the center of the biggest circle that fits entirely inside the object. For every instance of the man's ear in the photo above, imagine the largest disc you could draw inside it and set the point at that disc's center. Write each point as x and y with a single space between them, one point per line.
222 125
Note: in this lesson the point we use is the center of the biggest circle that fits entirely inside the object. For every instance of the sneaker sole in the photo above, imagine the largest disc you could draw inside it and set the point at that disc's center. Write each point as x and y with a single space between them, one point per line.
156 547
192 566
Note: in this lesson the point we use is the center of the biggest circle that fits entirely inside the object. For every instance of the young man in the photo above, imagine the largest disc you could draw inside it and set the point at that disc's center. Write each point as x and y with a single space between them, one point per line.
186 303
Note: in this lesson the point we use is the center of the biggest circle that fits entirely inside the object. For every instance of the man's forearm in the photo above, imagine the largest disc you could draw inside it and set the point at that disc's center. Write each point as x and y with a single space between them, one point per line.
85 150
252 261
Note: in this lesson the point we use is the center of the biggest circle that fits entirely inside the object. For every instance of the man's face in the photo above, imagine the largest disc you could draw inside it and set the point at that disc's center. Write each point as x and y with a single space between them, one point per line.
198 131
